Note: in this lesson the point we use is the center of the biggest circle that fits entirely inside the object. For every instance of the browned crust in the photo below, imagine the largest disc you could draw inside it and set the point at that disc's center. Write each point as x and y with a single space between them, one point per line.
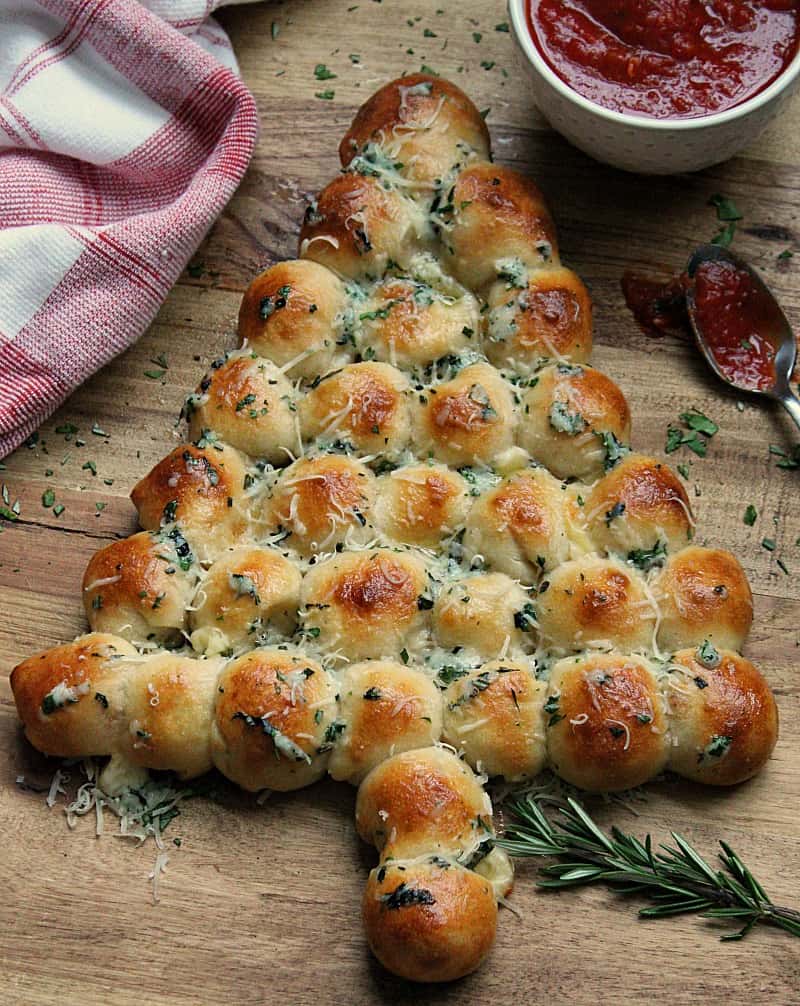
736 703
614 693
444 935
386 109
186 475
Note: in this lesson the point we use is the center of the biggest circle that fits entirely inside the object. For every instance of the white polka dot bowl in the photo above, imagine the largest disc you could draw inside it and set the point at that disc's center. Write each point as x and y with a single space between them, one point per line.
637 143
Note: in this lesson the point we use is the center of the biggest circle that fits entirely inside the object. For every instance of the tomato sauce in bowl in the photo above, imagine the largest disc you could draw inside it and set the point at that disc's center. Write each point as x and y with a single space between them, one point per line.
666 59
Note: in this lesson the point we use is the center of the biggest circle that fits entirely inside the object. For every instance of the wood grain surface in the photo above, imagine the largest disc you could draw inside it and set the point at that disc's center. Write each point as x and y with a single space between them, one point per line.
261 904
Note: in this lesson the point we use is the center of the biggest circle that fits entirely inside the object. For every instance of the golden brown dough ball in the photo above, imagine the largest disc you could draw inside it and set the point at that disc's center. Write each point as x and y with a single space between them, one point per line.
493 224
169 706
467 420
408 323
723 717
518 527
606 727
387 708
195 493
136 588
421 504
429 920
275 721
363 406
704 594
424 126
294 312
486 612
366 604
322 501
548 318
569 416
248 403
593 602
359 224
247 595
71 698
425 801
639 508
495 716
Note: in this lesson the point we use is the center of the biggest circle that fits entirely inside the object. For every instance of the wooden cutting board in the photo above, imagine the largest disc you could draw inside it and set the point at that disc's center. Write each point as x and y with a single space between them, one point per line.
260 904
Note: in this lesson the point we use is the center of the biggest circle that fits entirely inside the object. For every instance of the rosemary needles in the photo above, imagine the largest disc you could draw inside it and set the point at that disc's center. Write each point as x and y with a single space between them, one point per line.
674 879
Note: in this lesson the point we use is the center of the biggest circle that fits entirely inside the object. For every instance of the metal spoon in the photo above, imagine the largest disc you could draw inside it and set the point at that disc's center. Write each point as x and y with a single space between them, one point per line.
782 337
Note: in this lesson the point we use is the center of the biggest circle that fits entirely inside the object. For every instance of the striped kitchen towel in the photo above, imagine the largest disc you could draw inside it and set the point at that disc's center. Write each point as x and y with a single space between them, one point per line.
124 130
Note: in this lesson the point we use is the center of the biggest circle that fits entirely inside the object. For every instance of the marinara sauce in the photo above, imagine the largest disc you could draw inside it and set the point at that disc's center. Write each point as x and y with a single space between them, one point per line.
666 58
740 322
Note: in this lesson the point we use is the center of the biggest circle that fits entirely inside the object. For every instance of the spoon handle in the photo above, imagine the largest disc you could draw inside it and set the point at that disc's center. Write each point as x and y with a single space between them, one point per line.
791 403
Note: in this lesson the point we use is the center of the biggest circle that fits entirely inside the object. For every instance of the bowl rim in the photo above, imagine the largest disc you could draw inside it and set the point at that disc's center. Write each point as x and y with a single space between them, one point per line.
519 22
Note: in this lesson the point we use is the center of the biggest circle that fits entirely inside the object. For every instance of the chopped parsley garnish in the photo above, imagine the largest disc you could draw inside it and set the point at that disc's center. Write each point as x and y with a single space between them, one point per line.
552 709
473 687
282 744
449 673
698 424
525 618
243 586
332 731
788 461
750 515
697 421
708 655
405 896
727 214
647 558
717 747
564 421
321 72
677 438
616 511
244 402
615 451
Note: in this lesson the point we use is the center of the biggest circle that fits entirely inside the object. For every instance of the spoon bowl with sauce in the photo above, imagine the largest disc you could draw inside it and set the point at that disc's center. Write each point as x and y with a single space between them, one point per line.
739 326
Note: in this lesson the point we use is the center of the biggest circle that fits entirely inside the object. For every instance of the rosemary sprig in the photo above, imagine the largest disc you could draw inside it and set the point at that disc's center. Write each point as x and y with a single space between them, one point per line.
675 879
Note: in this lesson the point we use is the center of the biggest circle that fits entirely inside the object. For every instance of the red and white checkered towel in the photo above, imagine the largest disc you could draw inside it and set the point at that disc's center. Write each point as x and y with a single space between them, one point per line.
124 130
